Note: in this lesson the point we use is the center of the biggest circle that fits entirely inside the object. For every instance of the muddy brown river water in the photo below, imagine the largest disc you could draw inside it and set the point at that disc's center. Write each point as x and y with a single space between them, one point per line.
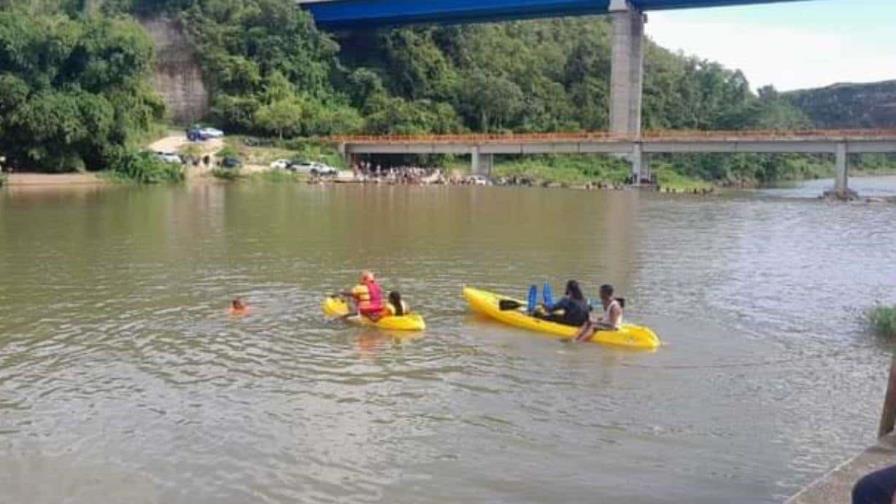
122 379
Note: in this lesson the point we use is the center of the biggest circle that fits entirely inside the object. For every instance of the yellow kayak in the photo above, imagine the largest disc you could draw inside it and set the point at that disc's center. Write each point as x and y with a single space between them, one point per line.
630 336
336 307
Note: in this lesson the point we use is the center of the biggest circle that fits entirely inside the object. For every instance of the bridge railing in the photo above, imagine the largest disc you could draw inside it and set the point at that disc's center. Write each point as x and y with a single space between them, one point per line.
578 136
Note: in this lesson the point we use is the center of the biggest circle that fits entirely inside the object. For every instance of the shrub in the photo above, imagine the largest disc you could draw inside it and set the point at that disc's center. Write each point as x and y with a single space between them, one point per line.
146 168
228 151
882 320
226 173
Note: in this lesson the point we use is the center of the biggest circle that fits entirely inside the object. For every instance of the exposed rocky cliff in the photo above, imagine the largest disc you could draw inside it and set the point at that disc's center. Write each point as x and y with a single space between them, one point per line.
178 76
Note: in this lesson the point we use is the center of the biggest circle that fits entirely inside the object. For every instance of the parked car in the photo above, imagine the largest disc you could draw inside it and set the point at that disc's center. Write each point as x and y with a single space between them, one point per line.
231 163
198 133
211 133
281 164
168 157
313 168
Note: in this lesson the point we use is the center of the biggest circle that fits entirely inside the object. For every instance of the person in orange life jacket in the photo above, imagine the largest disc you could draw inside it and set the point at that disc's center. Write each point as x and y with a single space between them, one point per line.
368 297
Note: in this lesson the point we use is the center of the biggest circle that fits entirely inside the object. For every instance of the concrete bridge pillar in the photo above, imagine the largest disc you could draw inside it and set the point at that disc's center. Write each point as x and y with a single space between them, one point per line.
638 159
627 72
841 180
482 164
644 172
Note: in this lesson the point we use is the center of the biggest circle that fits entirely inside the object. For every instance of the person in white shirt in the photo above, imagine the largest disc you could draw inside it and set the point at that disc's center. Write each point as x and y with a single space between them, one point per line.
611 320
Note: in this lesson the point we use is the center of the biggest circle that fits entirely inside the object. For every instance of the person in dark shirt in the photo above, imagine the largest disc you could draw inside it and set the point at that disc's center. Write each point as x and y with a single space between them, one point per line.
876 488
571 310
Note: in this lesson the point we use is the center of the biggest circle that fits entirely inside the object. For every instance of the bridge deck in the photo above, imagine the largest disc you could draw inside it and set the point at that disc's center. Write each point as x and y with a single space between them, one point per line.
820 142
602 136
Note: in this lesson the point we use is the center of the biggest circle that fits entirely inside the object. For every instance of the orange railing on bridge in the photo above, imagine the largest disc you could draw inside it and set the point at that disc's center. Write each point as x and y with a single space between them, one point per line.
577 136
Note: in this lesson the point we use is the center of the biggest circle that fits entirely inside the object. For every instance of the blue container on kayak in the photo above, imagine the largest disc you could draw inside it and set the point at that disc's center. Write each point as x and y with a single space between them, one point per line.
548 297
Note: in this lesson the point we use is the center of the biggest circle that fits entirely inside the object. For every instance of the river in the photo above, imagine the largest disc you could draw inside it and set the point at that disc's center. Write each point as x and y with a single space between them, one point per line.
122 379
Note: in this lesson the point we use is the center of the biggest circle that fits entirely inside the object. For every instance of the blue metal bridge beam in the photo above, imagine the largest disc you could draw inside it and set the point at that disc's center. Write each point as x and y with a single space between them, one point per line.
365 14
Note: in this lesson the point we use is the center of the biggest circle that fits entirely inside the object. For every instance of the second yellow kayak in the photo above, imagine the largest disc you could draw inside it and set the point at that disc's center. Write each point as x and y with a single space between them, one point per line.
336 307
629 335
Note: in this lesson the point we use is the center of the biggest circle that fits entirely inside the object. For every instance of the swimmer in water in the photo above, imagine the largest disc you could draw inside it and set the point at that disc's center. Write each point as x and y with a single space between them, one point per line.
238 307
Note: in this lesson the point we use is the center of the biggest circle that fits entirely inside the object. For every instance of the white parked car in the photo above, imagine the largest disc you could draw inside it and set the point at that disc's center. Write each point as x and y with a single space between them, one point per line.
168 157
211 133
280 164
313 168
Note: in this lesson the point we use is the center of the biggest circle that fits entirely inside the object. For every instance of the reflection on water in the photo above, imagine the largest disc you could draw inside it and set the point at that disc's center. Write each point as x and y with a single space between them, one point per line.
120 369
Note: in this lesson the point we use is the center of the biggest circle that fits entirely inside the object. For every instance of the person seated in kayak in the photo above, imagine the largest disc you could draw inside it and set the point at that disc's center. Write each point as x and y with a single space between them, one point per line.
238 308
611 320
572 309
396 307
368 297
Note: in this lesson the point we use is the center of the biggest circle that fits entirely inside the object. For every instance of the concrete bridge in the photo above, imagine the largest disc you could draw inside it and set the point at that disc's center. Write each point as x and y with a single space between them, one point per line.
483 148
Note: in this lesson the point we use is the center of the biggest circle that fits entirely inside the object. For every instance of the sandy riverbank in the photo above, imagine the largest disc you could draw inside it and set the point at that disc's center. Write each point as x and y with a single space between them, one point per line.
53 179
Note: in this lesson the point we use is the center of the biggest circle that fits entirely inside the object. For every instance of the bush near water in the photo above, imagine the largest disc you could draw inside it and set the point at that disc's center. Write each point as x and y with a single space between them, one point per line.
75 78
145 168
882 320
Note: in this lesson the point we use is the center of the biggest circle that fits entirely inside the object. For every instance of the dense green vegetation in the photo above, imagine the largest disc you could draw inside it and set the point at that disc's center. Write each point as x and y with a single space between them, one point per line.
145 168
549 75
269 68
75 71
565 169
870 105
74 90
882 320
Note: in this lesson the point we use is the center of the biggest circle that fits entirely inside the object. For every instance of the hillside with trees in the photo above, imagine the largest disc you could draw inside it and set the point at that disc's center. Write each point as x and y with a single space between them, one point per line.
844 106
74 89
76 75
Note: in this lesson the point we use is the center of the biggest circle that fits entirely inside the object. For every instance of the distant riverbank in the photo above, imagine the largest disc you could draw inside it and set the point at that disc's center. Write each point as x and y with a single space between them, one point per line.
552 171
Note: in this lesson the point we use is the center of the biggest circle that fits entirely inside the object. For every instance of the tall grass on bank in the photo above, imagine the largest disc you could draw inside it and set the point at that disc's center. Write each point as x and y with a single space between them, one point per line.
563 169
219 172
882 320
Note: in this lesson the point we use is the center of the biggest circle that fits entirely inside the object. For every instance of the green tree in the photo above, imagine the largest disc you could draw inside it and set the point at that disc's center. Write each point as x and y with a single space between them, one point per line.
281 116
74 89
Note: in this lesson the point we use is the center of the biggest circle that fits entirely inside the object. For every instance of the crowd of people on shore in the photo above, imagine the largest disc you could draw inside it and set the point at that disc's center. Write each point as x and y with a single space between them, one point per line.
366 172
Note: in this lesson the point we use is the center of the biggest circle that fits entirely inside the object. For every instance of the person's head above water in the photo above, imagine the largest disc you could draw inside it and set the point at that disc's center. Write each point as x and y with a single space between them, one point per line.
367 277
574 291
606 292
237 304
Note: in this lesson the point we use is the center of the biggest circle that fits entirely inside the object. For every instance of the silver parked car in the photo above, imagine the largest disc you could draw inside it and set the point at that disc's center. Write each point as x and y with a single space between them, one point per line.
168 157
313 168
